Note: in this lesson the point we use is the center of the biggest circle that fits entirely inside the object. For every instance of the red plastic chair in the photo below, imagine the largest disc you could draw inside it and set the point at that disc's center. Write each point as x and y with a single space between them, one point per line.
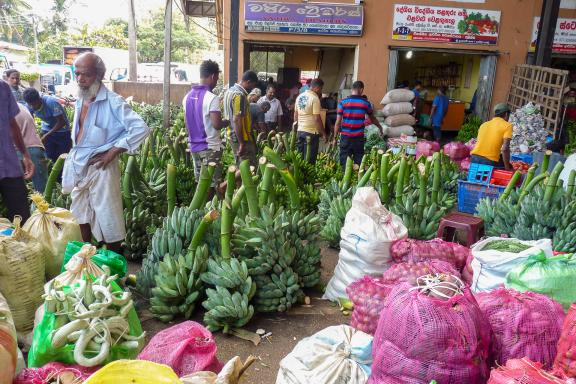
452 222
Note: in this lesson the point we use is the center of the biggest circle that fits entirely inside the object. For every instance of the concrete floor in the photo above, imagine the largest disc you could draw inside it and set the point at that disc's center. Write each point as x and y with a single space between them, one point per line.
287 329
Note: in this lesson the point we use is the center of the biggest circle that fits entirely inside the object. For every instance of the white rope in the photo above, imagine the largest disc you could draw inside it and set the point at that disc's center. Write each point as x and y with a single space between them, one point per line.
428 284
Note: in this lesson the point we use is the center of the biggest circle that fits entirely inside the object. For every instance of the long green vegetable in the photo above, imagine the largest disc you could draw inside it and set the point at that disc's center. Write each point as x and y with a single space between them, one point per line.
171 187
266 184
127 183
366 177
347 173
436 179
251 189
401 179
392 172
286 176
362 166
384 186
374 179
227 222
144 155
546 161
511 185
54 173
553 181
529 176
308 148
201 193
208 219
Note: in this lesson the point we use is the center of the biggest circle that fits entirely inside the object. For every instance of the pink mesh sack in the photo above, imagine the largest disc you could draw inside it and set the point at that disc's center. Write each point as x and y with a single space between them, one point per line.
51 372
421 250
456 150
187 347
465 164
368 295
408 272
424 336
566 358
467 271
524 325
524 371
426 148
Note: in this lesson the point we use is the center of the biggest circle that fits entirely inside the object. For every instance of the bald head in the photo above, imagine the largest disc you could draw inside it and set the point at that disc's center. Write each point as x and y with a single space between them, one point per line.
91 62
89 70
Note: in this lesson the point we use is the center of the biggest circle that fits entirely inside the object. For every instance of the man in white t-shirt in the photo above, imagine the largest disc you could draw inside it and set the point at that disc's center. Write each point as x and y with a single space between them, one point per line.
204 121
273 117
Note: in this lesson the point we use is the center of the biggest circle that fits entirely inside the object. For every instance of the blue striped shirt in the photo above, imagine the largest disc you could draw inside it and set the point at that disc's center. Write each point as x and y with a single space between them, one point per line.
353 110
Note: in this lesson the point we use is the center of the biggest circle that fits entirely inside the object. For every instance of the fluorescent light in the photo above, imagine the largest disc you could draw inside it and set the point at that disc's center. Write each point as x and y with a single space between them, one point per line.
409 54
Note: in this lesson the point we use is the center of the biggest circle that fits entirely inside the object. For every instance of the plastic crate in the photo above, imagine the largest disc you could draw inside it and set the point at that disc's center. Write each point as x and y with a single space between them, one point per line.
528 158
469 194
502 177
480 173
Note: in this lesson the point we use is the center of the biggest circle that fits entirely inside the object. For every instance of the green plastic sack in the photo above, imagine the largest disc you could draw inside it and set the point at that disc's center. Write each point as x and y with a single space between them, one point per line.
553 277
117 263
41 352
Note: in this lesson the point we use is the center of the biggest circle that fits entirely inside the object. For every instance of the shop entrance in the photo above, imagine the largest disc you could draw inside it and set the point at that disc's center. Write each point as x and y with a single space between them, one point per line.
468 77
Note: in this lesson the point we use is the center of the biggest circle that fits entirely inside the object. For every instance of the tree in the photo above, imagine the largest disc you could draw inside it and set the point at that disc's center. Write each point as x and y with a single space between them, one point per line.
13 25
59 21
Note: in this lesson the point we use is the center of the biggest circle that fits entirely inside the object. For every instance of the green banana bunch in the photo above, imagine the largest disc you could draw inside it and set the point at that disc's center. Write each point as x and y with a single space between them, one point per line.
138 221
422 222
277 292
565 239
178 284
59 199
186 183
307 264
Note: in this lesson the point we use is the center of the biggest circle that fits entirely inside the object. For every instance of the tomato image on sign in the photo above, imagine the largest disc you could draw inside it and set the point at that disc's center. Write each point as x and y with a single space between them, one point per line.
476 24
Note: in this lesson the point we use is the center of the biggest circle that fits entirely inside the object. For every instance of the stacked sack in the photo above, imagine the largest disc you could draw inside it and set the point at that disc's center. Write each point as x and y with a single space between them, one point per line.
398 109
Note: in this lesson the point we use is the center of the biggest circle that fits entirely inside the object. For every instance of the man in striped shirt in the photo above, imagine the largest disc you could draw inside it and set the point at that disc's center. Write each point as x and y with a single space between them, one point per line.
352 112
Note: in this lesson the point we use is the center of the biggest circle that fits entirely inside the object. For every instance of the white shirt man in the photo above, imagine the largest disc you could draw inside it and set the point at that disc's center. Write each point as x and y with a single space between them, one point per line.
273 116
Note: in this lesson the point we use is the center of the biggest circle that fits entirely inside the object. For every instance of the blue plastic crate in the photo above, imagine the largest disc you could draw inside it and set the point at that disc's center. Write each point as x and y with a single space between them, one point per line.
480 173
469 194
528 158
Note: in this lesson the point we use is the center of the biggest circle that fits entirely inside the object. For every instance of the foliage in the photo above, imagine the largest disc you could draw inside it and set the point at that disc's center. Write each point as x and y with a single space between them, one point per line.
571 129
14 26
29 77
469 129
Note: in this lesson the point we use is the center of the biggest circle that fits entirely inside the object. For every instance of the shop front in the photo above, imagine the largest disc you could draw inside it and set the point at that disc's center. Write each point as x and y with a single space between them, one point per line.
470 48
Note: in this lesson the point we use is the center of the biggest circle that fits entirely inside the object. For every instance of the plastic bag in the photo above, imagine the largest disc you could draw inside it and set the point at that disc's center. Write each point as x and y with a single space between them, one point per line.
231 373
490 267
368 296
400 108
426 148
8 343
134 371
524 371
399 120
117 263
565 361
54 371
422 338
22 275
79 263
421 250
524 325
553 277
334 355
399 131
187 347
53 228
456 150
368 232
42 351
397 96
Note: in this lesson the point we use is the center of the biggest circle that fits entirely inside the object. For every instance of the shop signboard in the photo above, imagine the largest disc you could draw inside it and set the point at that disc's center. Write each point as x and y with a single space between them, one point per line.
564 37
445 24
303 18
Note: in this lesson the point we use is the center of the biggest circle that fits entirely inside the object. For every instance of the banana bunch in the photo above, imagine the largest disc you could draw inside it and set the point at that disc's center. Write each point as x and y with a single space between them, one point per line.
137 238
422 222
328 194
307 264
565 239
186 183
306 227
183 222
277 292
339 206
178 284
150 194
229 304
59 199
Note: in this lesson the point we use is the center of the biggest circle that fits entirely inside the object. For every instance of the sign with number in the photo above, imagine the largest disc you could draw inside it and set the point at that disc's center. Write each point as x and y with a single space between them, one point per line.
564 36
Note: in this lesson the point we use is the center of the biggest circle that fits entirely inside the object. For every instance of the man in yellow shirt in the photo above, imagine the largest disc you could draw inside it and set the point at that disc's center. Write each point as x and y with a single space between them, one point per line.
307 114
494 139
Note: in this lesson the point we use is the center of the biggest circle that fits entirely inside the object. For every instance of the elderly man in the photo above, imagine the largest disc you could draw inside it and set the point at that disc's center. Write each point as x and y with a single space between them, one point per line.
12 186
273 116
104 127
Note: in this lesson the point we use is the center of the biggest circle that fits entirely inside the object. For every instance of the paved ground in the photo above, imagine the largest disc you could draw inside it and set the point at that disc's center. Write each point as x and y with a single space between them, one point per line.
287 330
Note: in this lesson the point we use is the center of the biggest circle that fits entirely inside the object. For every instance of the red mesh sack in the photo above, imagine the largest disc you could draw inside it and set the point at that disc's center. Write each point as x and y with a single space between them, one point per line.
467 271
51 372
524 371
421 338
408 272
187 347
566 358
368 295
456 150
426 148
421 250
524 324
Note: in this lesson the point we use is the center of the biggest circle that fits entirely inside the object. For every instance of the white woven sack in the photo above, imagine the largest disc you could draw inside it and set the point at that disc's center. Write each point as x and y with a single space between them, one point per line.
399 131
398 96
399 120
397 108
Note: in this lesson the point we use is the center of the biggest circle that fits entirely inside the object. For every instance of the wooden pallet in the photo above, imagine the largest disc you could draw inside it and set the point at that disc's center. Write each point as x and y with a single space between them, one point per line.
542 86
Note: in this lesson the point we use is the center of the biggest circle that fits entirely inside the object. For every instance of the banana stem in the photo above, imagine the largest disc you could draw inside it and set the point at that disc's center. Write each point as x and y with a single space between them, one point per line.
286 176
237 199
511 184
401 179
384 185
266 185
271 134
208 219
364 180
546 161
227 214
347 173
144 155
436 179
422 190
293 139
571 183
171 187
530 187
395 168
362 165
262 165
529 176
251 189
127 183
553 181
201 193
54 173
308 148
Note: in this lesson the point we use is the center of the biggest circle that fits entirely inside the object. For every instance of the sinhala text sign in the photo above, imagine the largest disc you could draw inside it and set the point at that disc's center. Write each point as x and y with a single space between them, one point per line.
318 19
445 24
564 36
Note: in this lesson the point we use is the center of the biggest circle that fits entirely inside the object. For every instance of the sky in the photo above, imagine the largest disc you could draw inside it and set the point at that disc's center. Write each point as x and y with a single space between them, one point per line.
96 12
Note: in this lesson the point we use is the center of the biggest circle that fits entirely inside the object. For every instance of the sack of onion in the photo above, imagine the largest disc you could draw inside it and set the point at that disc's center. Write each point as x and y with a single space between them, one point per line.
368 295
566 358
420 250
409 272
525 371
433 331
524 325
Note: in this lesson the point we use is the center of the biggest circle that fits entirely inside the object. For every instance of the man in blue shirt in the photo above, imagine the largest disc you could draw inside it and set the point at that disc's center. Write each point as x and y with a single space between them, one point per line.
55 126
439 110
